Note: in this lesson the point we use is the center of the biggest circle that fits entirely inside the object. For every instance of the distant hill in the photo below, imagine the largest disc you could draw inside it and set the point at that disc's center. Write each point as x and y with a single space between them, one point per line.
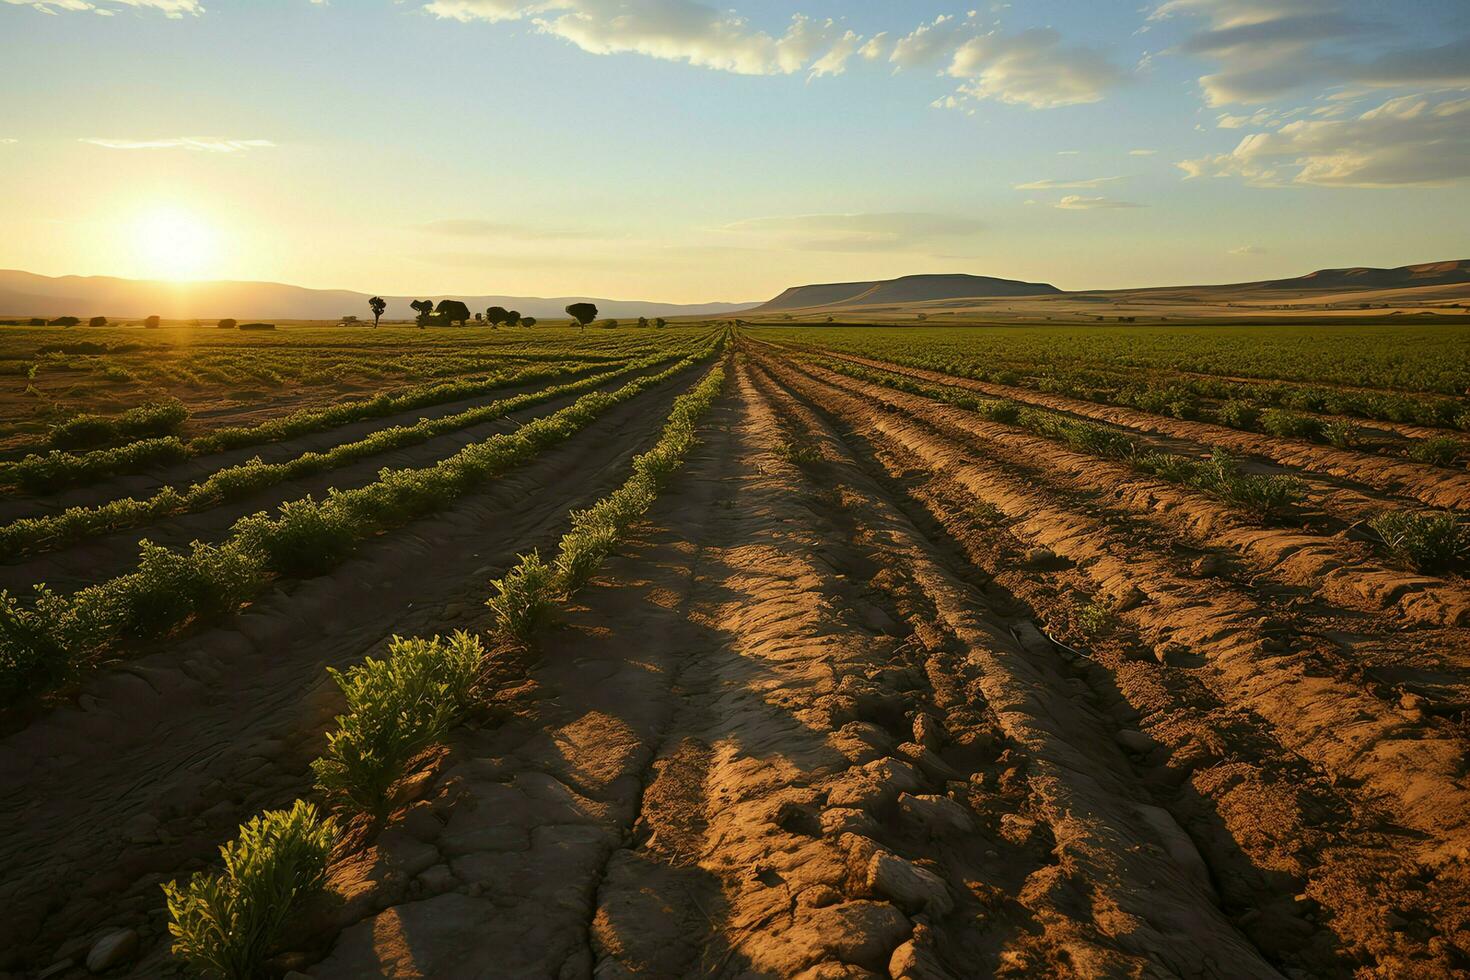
1453 272
1434 287
27 294
908 289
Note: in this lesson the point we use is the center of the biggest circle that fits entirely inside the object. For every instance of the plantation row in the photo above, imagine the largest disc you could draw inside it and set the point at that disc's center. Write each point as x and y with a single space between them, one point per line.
44 641
1428 542
39 534
1271 409
227 922
57 470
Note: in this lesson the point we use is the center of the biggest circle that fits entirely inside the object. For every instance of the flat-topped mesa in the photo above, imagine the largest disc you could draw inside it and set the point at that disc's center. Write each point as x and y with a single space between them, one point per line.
907 289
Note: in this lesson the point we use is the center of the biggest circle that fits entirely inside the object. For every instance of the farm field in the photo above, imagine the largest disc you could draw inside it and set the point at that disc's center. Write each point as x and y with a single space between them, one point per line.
736 651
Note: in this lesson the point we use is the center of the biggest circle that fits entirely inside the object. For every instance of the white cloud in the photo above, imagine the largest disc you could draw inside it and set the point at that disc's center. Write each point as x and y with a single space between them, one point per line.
1266 49
1248 250
1045 185
933 43
1142 153
1075 202
1033 68
860 232
1414 139
208 144
173 9
8 140
672 30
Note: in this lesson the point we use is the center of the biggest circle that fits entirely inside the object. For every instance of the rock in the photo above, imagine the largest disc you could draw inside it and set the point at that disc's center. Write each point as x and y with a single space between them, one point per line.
1207 566
113 949
875 784
1174 655
841 820
911 887
438 879
916 960
938 814
860 933
933 766
56 969
1131 598
1135 741
927 731
455 610
1177 845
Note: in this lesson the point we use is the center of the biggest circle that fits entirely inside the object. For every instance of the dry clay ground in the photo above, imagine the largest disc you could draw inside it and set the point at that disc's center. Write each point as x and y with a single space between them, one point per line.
808 724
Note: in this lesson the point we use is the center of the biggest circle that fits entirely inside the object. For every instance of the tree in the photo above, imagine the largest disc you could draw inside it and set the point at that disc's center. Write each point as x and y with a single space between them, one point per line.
583 313
65 321
377 304
479 318
495 316
512 318
228 323
453 311
659 323
97 321
528 321
643 322
152 322
423 307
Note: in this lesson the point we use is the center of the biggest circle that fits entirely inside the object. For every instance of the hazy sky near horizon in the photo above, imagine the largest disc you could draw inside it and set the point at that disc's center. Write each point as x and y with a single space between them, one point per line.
688 151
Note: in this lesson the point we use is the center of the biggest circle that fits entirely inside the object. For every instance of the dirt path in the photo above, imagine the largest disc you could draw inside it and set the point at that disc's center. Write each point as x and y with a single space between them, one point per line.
782 738
160 758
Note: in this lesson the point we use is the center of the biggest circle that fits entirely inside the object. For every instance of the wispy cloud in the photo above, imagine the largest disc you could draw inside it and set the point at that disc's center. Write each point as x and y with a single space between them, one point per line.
1248 250
1412 139
207 144
1075 202
1048 185
1142 153
173 9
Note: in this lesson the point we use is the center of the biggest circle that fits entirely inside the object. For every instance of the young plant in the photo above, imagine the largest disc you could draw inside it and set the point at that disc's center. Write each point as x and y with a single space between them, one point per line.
524 597
1440 450
396 708
1429 542
227 923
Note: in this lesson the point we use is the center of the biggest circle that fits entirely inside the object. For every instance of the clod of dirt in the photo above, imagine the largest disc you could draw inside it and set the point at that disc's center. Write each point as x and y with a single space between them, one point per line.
912 887
916 959
939 815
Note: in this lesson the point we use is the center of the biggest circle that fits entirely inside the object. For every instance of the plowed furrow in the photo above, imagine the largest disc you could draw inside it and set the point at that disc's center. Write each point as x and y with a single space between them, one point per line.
1431 485
1311 873
1414 767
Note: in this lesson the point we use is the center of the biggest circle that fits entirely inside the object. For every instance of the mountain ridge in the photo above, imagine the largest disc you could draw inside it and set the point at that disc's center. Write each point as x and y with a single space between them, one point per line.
30 294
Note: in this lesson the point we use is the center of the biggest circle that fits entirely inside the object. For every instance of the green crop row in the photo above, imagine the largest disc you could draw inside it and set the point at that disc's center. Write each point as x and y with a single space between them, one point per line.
38 534
526 594
42 642
228 922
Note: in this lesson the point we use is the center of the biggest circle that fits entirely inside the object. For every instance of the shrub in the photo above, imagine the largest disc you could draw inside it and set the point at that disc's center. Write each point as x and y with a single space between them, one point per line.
97 321
168 588
1265 496
798 453
1094 619
227 923
1238 415
1289 425
32 653
522 603
396 708
154 419
1440 450
1343 435
1428 541
228 323
306 539
257 326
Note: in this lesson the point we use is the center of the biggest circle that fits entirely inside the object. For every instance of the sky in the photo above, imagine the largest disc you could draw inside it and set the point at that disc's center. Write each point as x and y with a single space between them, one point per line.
685 151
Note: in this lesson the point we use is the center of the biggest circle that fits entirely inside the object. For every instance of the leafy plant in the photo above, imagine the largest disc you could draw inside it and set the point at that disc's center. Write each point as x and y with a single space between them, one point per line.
1429 542
523 598
155 419
1439 450
396 707
227 923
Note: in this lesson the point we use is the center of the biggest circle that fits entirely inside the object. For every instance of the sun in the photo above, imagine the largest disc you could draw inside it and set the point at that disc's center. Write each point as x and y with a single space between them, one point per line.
173 243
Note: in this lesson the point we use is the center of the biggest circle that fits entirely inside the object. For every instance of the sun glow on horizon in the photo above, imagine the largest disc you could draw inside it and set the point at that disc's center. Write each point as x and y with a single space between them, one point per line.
172 243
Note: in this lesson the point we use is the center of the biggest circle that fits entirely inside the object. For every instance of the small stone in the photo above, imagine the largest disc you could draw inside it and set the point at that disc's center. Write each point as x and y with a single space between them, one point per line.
56 969
455 610
841 820
933 766
913 888
1131 598
1135 741
1173 655
916 961
438 879
113 949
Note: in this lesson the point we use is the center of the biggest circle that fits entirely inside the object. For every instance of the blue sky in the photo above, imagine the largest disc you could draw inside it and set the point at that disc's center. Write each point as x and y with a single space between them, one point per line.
669 149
